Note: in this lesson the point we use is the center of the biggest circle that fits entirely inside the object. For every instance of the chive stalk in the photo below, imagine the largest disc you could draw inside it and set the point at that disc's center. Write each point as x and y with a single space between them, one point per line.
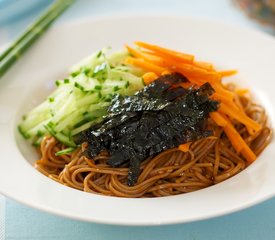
34 31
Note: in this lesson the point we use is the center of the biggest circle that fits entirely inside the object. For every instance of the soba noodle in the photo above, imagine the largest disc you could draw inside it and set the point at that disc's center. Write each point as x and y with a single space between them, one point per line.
208 161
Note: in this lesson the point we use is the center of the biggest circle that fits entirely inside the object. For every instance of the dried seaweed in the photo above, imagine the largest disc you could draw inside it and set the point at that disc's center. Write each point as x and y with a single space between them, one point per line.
156 118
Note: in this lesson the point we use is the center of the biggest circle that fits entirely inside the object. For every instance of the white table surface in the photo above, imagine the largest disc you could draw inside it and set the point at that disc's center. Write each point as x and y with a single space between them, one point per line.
18 222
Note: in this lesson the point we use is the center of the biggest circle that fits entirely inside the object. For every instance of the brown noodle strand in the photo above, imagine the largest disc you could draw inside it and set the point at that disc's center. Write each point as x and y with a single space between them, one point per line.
208 161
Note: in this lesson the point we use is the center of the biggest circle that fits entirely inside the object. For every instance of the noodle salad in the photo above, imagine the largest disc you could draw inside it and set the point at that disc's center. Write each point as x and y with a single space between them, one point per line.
145 122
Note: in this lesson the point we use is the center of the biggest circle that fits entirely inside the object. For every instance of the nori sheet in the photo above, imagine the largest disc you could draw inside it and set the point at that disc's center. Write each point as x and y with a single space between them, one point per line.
158 117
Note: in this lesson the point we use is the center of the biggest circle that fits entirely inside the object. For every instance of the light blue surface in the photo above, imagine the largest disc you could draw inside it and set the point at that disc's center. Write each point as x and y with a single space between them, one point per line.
22 222
15 10
254 223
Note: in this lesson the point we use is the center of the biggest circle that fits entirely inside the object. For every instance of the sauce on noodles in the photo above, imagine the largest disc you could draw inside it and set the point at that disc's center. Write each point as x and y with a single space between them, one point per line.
207 162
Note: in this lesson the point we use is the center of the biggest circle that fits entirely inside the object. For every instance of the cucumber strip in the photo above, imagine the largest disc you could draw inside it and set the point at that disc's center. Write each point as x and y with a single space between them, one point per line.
65 110
33 119
60 136
65 151
88 99
37 142
89 62
62 112
39 127
23 133
86 126
70 120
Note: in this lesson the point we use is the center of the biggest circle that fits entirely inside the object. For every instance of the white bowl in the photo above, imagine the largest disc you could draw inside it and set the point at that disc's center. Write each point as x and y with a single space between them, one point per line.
31 79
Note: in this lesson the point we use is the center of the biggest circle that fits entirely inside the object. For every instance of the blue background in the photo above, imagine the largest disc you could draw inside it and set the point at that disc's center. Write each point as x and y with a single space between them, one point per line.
253 223
21 222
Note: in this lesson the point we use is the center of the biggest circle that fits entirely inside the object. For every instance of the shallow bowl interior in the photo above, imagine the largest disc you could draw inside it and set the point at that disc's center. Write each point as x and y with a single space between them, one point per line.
33 77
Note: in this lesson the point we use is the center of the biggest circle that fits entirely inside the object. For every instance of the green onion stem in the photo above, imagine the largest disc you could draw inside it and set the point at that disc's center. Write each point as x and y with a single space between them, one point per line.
34 31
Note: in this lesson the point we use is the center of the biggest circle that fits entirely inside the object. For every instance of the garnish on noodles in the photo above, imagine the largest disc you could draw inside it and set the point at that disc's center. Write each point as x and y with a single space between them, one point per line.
155 119
145 122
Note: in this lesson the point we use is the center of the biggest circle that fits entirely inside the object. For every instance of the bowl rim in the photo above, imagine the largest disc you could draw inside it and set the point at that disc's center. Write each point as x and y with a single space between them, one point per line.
120 201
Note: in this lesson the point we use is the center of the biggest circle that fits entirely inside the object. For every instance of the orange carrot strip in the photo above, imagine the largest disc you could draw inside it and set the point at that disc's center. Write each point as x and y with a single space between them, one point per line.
238 143
192 79
160 59
221 98
167 52
220 90
155 67
146 65
242 91
194 73
236 140
227 73
239 105
184 147
221 94
204 65
189 70
233 105
218 119
166 72
248 154
238 115
135 52
139 54
149 77
231 133
194 70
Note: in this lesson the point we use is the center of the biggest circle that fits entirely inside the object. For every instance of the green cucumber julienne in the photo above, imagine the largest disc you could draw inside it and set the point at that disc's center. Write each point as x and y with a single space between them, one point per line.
82 99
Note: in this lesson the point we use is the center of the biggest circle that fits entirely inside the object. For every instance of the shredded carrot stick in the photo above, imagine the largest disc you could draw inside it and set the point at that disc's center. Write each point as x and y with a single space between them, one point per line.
194 74
218 119
241 91
184 147
193 70
135 52
167 52
166 72
237 141
149 77
238 115
227 73
222 98
204 65
231 132
145 56
248 154
146 65
240 106
221 91
158 61
172 64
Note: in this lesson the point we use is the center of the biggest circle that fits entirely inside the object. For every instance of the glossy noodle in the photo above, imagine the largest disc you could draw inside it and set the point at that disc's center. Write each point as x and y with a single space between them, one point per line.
207 162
